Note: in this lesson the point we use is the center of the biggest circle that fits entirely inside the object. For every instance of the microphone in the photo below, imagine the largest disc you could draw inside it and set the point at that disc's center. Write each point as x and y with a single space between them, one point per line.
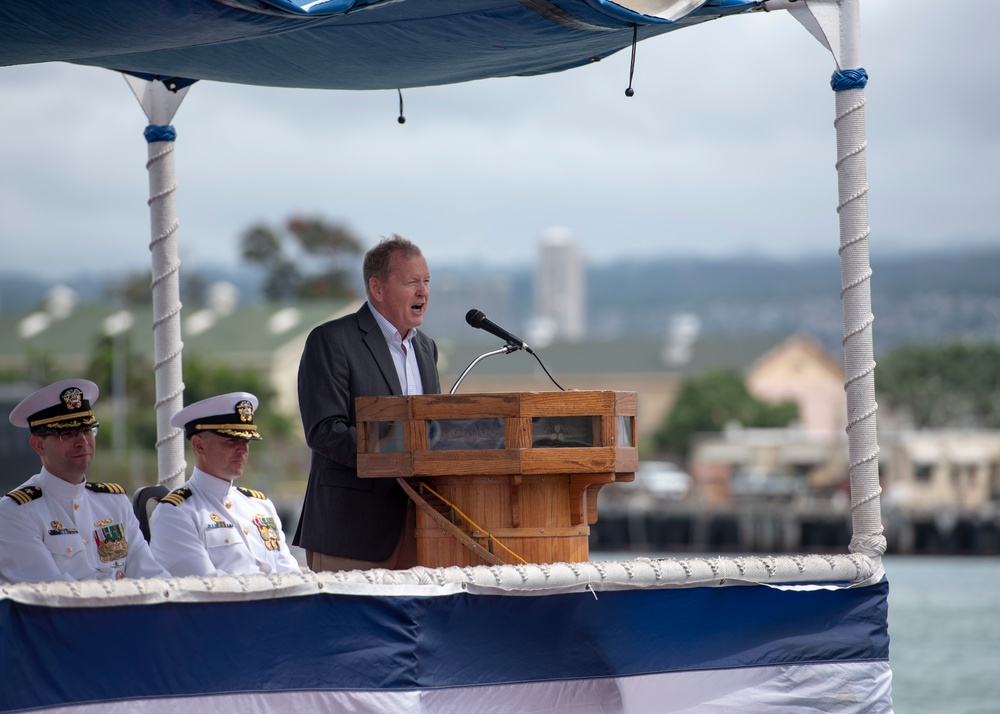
477 319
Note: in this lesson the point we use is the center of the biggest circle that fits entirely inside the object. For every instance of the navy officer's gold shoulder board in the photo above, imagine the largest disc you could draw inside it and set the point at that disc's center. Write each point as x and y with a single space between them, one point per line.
177 497
106 488
24 495
251 493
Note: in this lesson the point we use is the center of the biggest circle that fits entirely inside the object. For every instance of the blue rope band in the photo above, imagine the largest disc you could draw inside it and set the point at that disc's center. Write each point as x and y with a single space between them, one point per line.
160 133
848 79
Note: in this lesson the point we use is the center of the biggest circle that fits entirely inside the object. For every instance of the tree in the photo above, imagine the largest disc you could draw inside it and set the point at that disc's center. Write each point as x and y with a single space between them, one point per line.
139 387
136 288
202 379
708 403
132 289
956 384
324 251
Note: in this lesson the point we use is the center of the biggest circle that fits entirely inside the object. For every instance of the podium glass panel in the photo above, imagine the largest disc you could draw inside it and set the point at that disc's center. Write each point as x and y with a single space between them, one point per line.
624 430
465 434
389 437
564 431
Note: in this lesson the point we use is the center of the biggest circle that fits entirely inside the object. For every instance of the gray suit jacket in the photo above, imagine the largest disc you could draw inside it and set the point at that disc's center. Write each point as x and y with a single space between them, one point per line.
344 515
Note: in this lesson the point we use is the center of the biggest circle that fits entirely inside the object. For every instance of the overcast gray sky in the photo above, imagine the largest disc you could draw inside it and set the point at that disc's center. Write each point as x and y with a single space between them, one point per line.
727 147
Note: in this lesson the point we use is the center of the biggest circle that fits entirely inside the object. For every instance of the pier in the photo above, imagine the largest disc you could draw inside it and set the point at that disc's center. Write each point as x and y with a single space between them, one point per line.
819 526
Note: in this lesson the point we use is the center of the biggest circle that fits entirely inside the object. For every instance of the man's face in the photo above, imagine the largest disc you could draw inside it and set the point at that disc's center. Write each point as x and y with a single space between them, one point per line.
402 299
67 454
221 456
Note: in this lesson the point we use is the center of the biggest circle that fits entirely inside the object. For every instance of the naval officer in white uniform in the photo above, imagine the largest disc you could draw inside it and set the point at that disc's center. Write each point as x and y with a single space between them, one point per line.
57 525
209 526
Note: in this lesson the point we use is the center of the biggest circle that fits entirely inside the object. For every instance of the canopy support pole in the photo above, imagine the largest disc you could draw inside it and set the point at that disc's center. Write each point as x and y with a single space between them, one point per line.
837 25
855 271
160 99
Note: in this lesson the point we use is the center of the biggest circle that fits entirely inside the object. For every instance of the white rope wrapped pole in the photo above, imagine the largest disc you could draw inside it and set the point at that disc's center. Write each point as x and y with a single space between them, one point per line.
160 99
855 272
167 344
859 362
837 25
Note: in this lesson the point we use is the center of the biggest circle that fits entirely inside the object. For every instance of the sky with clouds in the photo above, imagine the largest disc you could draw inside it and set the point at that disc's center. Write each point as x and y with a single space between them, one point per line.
727 147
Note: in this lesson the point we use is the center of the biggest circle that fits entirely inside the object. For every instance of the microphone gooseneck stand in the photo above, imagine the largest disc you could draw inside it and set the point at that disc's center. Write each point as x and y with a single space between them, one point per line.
506 349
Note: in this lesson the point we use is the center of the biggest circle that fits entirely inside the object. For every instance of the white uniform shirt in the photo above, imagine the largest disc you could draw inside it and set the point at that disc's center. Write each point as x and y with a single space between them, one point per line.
210 527
54 530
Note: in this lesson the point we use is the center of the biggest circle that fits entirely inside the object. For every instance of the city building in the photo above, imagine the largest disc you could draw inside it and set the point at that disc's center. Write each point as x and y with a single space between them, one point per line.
560 290
800 369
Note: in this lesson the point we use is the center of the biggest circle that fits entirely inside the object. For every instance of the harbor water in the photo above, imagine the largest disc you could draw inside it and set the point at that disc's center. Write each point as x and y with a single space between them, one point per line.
944 632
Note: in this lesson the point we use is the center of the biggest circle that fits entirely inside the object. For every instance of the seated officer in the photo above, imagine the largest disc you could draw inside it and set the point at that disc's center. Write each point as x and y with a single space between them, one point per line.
208 526
57 525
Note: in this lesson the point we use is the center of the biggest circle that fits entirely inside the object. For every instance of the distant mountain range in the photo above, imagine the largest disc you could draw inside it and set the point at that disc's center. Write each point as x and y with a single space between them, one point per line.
20 291
924 297
928 297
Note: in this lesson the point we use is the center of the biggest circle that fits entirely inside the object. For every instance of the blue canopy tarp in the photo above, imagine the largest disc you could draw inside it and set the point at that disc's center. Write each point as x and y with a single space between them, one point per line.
340 44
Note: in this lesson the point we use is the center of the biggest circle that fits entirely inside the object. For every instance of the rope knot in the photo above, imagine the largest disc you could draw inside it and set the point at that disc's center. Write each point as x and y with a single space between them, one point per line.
844 79
154 133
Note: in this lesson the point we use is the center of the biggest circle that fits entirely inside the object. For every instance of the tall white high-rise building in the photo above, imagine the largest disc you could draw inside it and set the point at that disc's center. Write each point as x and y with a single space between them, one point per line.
560 290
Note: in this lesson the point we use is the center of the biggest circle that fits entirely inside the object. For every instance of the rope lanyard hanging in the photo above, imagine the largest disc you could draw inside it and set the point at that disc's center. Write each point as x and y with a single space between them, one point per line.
631 69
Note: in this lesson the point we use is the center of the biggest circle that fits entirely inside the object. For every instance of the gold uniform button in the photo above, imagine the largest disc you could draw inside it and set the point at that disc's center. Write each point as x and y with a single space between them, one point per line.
85 541
76 506
69 550
246 531
227 540
229 504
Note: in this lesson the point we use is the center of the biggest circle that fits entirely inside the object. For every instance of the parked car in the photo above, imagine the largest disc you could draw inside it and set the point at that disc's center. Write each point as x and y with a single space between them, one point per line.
662 479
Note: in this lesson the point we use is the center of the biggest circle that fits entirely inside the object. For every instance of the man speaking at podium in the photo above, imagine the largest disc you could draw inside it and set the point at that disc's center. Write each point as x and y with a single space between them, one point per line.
347 522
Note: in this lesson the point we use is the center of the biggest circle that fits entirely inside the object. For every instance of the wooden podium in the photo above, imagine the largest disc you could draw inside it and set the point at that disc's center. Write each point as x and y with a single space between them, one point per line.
500 478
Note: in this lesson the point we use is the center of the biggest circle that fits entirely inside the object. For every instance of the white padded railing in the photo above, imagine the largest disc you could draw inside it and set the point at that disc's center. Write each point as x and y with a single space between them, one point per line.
590 577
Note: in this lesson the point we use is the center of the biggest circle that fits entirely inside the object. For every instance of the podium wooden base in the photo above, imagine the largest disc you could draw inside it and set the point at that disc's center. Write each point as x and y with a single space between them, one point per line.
545 534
